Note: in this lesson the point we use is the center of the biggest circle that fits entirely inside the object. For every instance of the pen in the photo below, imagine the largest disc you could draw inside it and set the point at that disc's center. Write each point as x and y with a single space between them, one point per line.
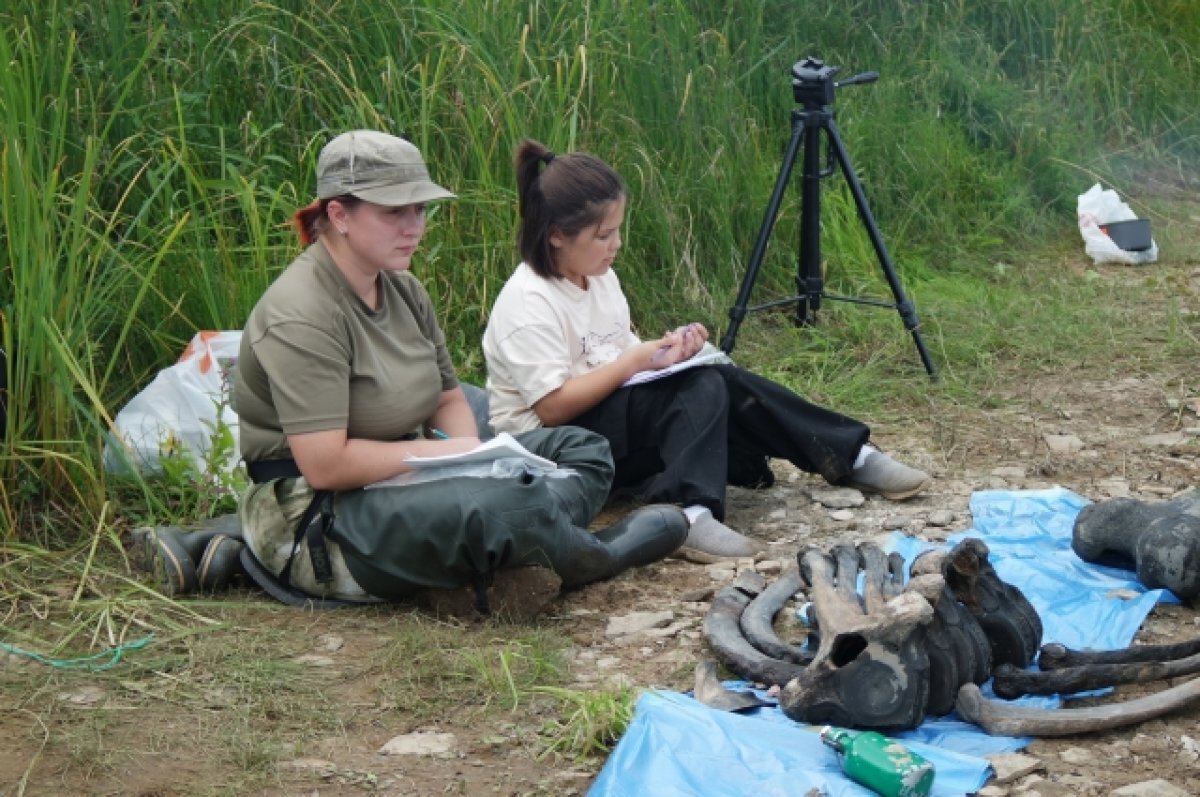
439 434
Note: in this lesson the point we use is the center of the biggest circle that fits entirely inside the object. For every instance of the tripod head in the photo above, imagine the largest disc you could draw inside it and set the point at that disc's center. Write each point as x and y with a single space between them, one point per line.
813 85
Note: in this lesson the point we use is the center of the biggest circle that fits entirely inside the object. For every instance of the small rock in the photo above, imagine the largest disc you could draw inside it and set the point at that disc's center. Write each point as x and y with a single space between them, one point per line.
318 766
637 621
1164 440
940 517
838 497
1145 744
1063 443
83 696
668 631
313 660
1149 788
329 643
842 515
770 567
1077 756
697 595
1114 488
1010 766
1029 783
420 743
895 522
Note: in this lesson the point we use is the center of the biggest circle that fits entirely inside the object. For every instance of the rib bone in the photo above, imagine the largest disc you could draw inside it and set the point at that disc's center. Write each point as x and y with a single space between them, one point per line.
757 621
1009 682
1005 719
1055 656
722 630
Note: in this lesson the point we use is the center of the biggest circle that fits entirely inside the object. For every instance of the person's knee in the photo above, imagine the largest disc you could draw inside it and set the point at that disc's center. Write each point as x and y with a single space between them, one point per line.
703 385
703 390
570 445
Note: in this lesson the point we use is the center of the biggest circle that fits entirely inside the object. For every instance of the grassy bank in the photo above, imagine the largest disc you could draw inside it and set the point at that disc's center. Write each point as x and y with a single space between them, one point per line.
151 155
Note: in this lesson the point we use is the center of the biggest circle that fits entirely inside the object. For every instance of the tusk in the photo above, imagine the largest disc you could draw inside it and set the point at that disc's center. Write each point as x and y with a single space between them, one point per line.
1005 719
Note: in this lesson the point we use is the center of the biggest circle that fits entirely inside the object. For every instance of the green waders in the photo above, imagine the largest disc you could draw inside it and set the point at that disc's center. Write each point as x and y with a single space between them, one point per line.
397 541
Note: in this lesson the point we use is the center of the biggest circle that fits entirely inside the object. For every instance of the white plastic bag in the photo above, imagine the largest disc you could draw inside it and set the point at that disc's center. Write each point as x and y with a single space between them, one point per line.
1097 207
177 412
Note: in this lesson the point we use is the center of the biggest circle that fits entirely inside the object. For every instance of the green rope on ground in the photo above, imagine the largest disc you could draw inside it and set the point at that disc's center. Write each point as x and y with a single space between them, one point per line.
83 662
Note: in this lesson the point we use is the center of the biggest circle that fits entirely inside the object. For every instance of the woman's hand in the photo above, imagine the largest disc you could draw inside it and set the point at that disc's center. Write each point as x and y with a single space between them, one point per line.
580 393
677 346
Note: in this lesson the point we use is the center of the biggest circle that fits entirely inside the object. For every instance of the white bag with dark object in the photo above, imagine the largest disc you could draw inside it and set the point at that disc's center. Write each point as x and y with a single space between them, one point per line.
1107 225
177 413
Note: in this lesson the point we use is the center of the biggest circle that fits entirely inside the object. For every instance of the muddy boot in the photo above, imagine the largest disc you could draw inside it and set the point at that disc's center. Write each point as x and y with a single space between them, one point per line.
220 563
644 536
1161 542
173 554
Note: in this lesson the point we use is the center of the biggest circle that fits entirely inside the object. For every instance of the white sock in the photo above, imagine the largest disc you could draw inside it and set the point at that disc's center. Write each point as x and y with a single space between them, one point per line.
695 512
863 453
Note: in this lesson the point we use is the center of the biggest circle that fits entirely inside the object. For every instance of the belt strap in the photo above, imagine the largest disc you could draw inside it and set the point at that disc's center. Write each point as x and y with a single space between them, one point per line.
266 470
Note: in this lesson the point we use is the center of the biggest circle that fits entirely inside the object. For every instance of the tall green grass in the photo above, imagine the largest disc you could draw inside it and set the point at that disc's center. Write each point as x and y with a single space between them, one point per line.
151 153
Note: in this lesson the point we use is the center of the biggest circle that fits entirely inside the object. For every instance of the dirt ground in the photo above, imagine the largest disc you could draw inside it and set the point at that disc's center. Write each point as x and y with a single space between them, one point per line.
1132 435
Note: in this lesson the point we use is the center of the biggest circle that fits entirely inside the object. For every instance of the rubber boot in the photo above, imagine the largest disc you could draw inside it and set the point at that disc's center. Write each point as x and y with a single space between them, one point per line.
174 554
643 536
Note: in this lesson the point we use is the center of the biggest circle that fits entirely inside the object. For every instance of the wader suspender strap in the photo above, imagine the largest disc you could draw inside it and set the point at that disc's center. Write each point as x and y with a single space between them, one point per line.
308 529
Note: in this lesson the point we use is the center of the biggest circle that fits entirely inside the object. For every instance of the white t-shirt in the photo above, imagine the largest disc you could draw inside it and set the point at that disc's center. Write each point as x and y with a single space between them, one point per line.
544 331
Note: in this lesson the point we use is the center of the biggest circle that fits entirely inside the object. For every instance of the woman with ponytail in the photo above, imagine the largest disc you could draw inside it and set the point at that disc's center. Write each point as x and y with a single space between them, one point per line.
560 351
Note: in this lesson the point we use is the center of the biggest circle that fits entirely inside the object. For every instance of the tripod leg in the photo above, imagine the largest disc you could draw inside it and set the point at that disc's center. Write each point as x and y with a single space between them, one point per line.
908 313
810 285
738 311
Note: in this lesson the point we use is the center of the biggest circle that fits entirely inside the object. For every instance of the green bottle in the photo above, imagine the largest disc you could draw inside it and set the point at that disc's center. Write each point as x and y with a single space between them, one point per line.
880 763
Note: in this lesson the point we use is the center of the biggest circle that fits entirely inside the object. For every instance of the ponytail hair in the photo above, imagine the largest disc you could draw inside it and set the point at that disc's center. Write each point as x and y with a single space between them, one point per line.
312 220
568 193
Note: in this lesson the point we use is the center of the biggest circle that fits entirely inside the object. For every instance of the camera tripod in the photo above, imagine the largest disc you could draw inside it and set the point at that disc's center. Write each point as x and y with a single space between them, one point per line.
813 86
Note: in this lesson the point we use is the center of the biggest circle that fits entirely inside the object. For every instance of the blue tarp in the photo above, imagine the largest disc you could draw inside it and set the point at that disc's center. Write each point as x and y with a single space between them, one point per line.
678 746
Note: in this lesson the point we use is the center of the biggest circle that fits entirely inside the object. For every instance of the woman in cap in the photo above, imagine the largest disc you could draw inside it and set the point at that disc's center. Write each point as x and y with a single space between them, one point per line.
560 350
343 375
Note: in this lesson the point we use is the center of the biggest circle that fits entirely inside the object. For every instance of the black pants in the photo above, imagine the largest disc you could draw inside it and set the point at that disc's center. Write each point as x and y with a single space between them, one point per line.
679 436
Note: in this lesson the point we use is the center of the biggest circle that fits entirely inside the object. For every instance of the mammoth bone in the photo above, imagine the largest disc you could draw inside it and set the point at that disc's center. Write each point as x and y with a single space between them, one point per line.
1009 682
1006 719
871 668
883 659
1161 541
887 657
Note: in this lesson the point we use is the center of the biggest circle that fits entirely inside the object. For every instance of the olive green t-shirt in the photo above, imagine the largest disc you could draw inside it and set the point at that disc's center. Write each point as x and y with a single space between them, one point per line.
314 357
